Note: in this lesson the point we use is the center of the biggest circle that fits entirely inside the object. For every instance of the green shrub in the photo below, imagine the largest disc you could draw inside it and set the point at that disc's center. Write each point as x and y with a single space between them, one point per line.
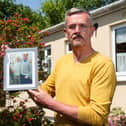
117 117
20 115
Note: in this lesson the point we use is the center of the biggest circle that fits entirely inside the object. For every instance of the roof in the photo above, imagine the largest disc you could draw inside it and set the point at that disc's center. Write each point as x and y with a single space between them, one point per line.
95 13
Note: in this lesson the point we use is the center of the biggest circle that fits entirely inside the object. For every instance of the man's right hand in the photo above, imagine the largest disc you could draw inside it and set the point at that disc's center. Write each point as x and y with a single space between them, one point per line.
3 49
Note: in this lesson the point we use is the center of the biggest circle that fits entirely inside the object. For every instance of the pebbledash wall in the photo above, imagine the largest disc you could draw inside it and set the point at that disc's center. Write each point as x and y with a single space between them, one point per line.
110 36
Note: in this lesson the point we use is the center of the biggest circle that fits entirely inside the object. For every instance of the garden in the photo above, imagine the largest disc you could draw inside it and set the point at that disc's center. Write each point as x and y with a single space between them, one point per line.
16 32
117 117
18 114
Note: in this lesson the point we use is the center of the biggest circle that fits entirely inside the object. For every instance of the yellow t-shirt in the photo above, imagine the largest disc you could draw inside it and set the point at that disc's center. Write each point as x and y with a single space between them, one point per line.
89 85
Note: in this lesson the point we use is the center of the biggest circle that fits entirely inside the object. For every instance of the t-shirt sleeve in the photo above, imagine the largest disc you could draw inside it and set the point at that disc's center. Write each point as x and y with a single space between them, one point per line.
49 84
101 94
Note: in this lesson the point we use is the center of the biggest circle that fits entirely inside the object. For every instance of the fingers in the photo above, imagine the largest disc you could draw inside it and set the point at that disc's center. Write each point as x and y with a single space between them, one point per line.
39 89
36 93
3 49
35 98
33 92
30 94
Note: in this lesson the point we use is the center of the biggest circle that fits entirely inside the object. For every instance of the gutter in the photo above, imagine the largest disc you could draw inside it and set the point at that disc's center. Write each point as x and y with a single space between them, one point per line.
54 29
95 13
108 8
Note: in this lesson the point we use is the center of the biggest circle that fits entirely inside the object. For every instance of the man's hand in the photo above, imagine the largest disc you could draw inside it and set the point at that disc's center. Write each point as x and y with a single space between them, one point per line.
41 97
3 49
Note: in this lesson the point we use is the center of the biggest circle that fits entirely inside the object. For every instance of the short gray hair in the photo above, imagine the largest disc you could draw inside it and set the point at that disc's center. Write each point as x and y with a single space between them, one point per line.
77 10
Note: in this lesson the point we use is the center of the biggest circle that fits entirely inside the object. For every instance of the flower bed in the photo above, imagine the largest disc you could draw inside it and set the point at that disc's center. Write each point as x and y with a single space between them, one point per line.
117 117
20 115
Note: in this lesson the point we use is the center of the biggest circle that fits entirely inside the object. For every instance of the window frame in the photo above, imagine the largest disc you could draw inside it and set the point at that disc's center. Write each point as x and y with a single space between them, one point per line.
121 76
67 43
47 58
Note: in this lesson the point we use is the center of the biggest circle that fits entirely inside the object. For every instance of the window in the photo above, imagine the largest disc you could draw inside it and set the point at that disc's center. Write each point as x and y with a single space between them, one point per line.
47 59
68 47
119 51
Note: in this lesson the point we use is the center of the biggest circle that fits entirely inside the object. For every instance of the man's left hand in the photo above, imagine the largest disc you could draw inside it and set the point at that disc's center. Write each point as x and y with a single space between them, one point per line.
41 97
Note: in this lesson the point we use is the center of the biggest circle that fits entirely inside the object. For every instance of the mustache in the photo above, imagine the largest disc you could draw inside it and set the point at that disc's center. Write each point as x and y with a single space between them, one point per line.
74 36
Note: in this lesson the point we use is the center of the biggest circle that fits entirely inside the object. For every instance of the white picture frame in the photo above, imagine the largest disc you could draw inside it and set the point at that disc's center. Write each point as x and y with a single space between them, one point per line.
20 69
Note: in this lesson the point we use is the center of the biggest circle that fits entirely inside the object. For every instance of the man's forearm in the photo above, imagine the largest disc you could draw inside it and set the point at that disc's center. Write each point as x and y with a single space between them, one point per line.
65 109
47 101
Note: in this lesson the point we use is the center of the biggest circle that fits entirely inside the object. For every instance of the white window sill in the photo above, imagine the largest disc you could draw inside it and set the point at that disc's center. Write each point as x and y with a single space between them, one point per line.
121 76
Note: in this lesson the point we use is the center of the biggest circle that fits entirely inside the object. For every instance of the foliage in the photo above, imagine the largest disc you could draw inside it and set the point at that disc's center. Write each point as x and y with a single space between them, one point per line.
2 96
51 8
22 116
16 33
51 11
9 7
6 8
59 7
117 117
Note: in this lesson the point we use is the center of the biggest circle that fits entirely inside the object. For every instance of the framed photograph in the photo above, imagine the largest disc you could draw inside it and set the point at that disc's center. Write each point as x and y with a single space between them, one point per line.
20 69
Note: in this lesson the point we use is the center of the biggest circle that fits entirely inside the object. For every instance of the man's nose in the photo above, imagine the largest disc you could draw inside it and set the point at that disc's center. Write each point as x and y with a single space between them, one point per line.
77 28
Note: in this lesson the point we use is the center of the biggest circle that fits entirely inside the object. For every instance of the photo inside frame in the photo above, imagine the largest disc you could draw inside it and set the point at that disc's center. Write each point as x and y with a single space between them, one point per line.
20 69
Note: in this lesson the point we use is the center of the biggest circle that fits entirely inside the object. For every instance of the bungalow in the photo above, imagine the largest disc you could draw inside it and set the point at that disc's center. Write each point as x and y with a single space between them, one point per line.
109 39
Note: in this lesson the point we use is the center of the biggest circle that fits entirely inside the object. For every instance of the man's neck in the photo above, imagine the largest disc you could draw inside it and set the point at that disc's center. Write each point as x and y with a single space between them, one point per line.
80 54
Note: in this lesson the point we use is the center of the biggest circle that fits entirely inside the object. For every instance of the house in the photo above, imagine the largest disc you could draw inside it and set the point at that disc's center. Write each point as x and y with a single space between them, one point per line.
109 39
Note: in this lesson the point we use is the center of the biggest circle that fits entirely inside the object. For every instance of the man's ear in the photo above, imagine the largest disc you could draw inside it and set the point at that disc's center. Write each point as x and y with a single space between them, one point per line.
65 32
94 28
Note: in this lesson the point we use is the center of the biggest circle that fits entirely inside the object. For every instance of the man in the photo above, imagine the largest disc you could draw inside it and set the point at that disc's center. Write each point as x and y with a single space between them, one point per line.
26 70
15 69
83 82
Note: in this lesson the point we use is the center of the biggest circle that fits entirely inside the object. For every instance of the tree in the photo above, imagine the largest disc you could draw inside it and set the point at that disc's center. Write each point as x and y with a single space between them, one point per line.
15 33
9 7
54 10
18 31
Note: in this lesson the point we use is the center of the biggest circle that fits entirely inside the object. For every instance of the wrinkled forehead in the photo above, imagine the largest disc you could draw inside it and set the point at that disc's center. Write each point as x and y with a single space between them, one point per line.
76 10
78 18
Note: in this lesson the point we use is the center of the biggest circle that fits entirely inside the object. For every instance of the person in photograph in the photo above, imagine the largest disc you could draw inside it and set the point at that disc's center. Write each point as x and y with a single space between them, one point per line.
83 82
30 61
11 70
17 70
26 70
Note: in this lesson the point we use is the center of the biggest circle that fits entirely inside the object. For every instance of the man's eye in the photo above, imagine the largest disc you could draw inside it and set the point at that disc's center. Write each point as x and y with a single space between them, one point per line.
71 26
83 26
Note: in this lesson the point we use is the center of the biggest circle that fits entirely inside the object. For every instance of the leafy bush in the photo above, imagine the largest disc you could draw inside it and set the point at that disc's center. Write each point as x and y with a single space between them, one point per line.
117 117
22 116
16 32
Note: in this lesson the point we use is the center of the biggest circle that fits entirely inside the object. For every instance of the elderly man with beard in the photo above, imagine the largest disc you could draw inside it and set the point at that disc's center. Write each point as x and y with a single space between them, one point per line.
83 83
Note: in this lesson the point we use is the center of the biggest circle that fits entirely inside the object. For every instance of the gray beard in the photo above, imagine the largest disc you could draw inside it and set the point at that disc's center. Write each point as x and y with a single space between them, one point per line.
78 44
